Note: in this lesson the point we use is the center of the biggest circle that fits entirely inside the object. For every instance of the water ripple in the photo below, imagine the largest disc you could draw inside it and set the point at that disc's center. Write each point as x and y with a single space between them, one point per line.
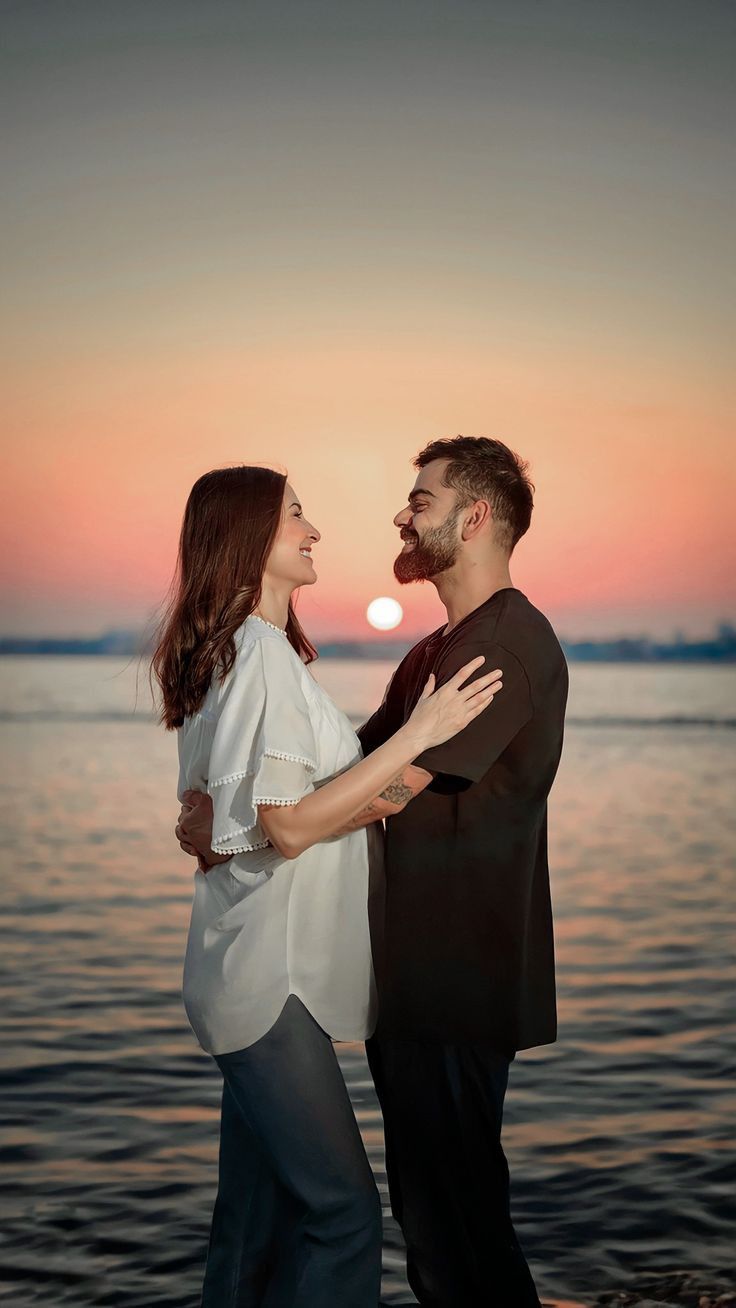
619 1136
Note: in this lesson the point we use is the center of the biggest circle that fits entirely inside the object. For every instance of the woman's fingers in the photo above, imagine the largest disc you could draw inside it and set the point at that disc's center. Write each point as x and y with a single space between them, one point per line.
477 694
475 698
456 682
480 702
491 681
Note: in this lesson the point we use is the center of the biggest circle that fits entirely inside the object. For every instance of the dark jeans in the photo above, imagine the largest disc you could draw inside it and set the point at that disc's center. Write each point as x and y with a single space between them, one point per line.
297 1220
447 1173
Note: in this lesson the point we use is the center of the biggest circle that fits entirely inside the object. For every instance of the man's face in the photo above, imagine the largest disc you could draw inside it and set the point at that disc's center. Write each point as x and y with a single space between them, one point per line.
429 527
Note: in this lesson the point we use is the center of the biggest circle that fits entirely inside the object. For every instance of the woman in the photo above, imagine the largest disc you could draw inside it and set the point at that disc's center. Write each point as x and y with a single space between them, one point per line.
278 960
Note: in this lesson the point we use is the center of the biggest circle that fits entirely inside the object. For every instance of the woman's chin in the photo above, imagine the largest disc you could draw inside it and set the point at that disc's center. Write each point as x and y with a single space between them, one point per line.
308 579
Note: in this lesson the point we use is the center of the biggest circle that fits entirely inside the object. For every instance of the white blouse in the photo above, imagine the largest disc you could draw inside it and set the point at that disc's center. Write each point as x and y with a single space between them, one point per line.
265 927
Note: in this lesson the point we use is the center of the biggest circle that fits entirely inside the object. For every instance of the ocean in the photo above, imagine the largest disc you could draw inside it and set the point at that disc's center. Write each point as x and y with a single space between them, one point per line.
620 1136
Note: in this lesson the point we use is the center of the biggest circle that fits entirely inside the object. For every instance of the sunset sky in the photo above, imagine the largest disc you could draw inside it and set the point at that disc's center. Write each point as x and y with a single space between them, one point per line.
322 234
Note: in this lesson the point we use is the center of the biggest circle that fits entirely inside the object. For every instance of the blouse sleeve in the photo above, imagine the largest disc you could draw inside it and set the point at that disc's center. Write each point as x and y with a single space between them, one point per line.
263 749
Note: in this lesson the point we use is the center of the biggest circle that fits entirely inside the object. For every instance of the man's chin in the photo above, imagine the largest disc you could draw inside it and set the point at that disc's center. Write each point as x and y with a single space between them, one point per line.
405 573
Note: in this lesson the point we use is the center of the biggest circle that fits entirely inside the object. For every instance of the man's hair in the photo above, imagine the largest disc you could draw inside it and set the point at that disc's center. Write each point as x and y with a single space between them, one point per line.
483 469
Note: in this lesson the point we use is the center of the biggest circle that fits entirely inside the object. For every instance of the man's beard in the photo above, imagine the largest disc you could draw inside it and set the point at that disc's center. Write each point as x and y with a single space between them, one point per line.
434 552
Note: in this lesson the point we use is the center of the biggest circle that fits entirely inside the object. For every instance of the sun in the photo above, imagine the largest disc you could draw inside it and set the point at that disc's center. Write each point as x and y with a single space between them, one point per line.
384 614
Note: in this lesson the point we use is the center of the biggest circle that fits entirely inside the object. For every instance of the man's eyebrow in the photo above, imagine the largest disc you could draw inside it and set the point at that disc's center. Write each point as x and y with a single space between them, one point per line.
414 495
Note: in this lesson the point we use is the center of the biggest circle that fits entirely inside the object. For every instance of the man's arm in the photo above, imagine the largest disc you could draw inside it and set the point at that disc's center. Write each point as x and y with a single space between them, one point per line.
466 757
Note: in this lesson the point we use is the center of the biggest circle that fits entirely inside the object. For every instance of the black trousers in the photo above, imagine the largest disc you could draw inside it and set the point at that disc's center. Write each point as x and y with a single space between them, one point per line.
447 1173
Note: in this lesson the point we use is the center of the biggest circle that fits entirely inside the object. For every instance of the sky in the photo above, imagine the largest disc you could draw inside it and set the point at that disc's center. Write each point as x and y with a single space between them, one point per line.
319 235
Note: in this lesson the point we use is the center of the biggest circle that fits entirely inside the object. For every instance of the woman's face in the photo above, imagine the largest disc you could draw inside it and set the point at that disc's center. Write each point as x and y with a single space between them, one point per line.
290 559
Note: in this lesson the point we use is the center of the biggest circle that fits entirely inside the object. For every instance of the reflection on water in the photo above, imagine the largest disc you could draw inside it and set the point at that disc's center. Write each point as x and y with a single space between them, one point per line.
617 1135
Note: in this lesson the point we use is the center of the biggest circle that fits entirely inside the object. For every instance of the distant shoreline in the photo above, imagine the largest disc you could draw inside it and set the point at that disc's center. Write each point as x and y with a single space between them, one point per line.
718 648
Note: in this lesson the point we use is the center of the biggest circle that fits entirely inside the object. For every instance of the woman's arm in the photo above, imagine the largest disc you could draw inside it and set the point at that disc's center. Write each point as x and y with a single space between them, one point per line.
385 779
442 713
393 798
194 828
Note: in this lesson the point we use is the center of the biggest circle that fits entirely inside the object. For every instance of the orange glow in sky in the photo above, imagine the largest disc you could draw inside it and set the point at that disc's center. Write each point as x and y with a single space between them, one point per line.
324 248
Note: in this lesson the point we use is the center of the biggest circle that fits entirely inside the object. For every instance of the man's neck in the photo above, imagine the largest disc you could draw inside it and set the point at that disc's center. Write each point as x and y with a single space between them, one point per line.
463 589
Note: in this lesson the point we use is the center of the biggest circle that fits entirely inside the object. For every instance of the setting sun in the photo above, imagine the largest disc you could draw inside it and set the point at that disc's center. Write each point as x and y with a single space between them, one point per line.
384 613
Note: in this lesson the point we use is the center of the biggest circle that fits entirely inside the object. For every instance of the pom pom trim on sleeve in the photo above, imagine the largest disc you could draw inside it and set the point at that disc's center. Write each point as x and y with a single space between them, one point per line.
218 847
221 841
251 772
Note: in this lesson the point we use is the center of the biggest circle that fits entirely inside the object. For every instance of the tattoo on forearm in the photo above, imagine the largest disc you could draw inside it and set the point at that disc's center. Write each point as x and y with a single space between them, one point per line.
397 792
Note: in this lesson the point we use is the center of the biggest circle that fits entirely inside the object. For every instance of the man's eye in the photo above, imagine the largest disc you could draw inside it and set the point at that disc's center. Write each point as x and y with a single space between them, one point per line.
418 508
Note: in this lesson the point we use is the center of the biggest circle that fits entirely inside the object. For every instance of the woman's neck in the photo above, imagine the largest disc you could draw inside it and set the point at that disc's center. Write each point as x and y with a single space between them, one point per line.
274 606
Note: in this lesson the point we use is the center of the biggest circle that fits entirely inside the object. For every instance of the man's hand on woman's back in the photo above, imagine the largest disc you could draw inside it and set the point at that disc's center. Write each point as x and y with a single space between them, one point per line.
194 829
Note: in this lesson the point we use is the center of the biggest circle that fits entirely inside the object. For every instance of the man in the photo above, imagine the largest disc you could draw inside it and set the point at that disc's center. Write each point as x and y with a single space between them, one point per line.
466 966
463 943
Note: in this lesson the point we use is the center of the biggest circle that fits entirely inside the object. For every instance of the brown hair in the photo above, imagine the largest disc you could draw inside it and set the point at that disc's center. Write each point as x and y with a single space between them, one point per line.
481 468
230 522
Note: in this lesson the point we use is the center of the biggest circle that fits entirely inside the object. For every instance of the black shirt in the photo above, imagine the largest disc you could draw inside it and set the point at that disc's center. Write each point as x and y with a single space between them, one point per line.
465 950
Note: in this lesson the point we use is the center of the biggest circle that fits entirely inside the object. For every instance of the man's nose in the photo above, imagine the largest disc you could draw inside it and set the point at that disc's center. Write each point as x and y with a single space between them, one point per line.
403 518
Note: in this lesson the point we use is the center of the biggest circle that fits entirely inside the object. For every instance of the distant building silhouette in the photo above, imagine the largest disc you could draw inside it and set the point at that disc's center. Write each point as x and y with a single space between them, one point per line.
718 648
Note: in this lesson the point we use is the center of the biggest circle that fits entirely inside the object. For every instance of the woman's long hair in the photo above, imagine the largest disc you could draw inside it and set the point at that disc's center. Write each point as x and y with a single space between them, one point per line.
230 523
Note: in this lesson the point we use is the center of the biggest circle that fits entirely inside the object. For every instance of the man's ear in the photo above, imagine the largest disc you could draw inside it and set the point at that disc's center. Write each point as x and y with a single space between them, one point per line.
475 517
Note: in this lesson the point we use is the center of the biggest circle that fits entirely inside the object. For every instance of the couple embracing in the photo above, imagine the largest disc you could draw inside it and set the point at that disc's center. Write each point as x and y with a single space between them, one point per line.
429 938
